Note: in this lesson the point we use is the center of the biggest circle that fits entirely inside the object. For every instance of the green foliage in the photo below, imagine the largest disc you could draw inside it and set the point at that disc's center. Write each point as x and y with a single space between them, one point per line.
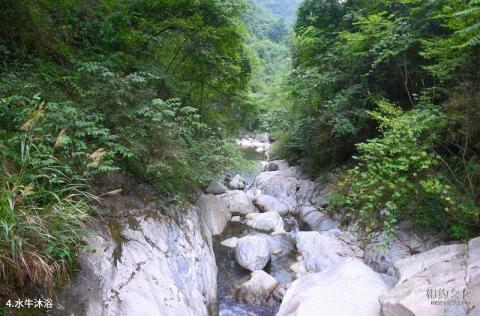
269 42
88 88
395 173
347 55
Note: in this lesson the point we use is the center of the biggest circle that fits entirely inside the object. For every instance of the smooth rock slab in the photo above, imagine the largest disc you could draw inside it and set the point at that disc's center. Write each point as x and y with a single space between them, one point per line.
349 288
269 222
268 203
252 252
258 290
433 283
214 213
321 251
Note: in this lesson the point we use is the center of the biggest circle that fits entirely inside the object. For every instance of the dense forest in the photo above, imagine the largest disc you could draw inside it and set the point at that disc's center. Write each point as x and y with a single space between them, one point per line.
380 96
389 92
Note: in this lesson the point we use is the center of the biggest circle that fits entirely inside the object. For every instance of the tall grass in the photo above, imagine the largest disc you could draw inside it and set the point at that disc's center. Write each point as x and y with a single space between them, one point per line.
43 207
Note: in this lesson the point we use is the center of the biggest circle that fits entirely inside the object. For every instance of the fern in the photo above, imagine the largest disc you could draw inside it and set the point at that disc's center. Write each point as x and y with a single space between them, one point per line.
471 32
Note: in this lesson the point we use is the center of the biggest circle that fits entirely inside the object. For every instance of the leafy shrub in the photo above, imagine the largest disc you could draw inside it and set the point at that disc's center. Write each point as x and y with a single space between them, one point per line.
396 173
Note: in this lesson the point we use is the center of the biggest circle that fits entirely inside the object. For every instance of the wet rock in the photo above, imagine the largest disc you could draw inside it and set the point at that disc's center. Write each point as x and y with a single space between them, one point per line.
258 290
320 251
252 252
281 245
269 222
441 274
237 183
348 288
268 203
230 242
238 202
216 188
214 213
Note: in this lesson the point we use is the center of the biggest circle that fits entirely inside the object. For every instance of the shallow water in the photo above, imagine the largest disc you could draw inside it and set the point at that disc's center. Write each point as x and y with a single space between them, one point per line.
231 274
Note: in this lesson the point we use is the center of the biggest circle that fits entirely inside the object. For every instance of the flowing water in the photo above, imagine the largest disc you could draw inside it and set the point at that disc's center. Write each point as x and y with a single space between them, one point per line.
230 273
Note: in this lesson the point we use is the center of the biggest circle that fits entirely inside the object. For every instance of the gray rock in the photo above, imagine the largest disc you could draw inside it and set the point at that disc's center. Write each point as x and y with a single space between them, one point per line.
263 137
317 220
238 202
268 203
320 251
406 242
389 280
216 188
282 184
381 258
345 289
230 242
451 269
161 266
269 222
252 252
258 290
237 183
214 213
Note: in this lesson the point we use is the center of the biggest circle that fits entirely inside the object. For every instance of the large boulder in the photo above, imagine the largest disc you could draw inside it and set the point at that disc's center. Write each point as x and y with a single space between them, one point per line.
238 202
258 290
345 289
316 220
237 183
269 222
214 213
274 165
441 281
216 188
320 251
146 266
252 252
268 203
282 184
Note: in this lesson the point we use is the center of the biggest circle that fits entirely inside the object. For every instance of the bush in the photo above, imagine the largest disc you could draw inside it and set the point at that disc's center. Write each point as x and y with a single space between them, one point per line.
397 176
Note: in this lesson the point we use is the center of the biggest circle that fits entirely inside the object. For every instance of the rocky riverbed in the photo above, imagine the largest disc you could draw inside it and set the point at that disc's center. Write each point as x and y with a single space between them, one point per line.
262 245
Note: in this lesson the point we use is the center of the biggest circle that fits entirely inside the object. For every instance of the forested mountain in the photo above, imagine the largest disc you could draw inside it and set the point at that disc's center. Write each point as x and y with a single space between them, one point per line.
284 8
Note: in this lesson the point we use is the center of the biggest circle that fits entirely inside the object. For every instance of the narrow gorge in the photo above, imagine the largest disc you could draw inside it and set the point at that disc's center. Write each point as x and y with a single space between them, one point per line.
260 246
